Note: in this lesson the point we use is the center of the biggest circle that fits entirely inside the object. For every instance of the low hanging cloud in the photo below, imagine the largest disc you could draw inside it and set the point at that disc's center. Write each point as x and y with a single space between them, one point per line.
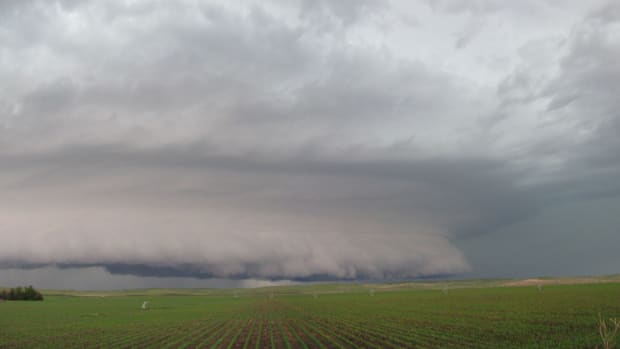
294 140
180 210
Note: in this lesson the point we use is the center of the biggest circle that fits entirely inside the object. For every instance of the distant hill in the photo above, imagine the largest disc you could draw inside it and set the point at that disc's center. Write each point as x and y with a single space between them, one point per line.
353 287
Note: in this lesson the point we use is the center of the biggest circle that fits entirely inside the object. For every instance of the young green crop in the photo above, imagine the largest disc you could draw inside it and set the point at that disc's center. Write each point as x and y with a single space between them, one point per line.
563 316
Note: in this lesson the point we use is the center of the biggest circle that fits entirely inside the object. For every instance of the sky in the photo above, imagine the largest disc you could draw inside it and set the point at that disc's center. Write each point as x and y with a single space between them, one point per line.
244 143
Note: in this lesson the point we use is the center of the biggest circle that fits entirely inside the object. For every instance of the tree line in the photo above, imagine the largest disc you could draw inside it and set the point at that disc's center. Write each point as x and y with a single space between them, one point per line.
19 293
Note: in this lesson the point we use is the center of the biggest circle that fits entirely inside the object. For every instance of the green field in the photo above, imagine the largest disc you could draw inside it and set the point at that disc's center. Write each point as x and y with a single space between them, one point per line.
456 315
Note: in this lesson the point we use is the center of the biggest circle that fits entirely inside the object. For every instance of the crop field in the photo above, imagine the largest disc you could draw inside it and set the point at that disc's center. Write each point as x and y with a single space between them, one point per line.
330 316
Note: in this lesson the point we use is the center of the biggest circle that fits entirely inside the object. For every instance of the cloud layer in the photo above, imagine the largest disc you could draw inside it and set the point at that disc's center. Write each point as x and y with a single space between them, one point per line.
297 140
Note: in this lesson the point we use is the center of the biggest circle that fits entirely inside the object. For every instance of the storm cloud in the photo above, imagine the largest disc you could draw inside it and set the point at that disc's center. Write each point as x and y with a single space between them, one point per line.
303 140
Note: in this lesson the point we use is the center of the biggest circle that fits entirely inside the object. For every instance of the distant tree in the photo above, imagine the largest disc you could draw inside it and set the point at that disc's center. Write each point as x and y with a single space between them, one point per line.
21 293
31 294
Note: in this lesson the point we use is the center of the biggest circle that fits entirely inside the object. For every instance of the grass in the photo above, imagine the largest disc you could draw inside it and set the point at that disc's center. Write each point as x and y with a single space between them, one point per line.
608 330
470 315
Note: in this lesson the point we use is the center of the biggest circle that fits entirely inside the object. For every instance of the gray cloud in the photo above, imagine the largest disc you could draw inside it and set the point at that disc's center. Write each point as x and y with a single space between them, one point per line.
346 12
234 216
296 140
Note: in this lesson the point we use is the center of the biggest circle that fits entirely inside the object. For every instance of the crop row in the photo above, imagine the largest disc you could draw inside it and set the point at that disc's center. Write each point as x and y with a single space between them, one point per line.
397 320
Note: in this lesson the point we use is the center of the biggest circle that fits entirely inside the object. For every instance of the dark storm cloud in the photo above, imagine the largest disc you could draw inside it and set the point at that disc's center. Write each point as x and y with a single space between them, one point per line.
295 140
399 213
475 191
579 187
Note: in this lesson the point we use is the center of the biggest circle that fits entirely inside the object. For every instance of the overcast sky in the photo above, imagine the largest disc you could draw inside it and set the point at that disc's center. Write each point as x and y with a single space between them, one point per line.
308 140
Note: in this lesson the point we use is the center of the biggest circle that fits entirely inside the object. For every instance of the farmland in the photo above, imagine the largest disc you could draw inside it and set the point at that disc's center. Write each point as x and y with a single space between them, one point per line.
456 315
